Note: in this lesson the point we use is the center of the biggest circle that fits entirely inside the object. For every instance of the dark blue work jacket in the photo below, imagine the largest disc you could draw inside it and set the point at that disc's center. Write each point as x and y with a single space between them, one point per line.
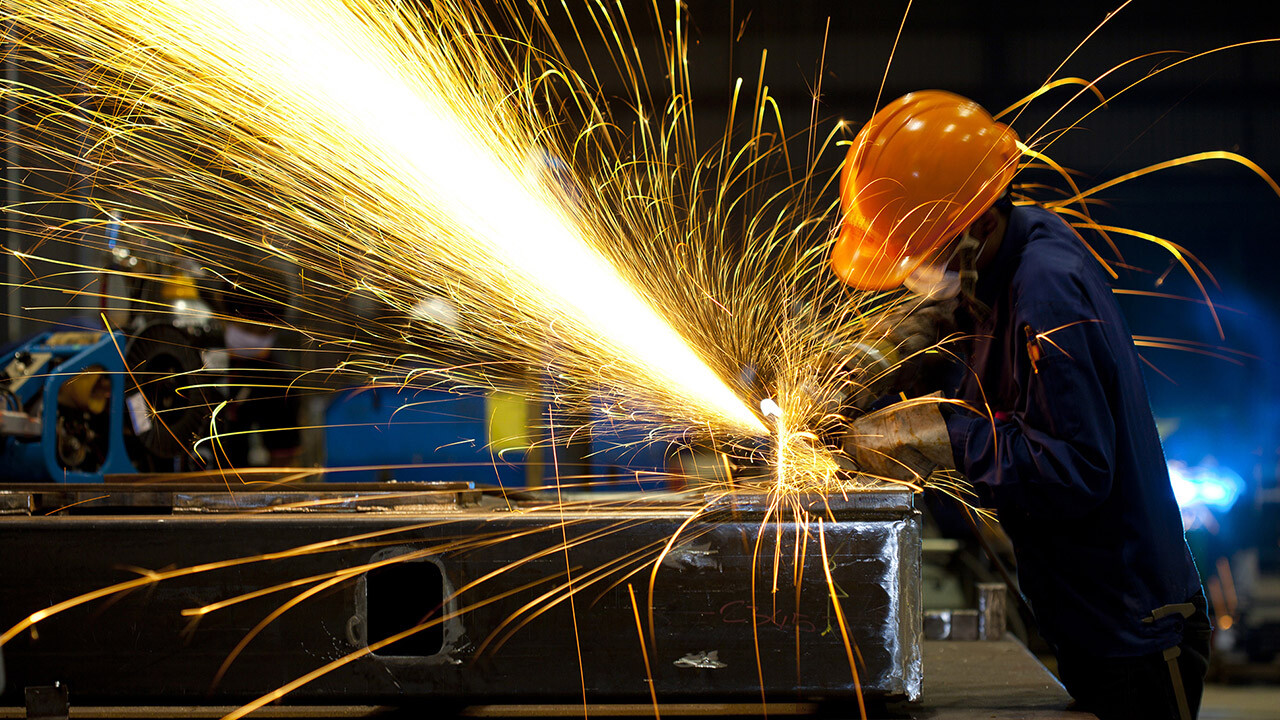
1070 458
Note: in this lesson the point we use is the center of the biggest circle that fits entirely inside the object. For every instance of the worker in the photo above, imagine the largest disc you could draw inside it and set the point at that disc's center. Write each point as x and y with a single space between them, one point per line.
1051 423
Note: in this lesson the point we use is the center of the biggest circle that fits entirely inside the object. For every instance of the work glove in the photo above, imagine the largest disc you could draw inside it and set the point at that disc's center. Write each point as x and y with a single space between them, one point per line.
907 441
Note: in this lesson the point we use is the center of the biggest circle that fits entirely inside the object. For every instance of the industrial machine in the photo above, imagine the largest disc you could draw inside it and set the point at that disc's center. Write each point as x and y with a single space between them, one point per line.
82 405
412 434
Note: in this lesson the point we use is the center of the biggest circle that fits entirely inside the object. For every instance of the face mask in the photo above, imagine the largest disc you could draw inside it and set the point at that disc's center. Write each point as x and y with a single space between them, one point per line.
933 280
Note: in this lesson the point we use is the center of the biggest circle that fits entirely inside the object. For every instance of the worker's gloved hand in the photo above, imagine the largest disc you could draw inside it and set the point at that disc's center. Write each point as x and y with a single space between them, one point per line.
907 441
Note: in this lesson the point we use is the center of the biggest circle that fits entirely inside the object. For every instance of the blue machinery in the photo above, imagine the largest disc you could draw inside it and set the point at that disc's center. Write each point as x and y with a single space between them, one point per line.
53 446
83 405
416 435
73 412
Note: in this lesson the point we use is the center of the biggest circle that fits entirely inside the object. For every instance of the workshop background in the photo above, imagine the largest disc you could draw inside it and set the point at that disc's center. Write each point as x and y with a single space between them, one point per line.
1218 405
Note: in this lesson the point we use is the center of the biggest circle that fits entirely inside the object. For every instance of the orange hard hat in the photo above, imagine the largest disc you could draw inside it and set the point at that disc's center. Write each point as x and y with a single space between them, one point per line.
917 175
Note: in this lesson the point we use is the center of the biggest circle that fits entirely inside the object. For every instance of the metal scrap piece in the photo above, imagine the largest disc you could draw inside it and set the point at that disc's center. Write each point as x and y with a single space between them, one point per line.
693 556
703 660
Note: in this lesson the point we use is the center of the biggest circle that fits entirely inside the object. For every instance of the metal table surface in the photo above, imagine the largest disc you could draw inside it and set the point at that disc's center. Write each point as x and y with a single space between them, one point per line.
992 680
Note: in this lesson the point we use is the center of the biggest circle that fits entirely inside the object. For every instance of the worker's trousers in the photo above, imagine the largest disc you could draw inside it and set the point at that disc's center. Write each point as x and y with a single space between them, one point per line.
1142 687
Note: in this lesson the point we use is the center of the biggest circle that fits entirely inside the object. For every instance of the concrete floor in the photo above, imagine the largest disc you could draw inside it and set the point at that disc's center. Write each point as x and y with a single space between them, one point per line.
1238 702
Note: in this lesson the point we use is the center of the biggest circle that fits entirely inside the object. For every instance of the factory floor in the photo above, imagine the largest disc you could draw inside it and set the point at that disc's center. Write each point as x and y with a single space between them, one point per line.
1258 700
1237 702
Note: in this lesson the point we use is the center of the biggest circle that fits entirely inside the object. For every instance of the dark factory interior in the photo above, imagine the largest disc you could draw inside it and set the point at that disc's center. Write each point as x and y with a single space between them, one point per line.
549 359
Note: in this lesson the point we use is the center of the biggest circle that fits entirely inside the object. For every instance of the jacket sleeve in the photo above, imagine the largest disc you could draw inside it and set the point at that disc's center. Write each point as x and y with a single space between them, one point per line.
1054 452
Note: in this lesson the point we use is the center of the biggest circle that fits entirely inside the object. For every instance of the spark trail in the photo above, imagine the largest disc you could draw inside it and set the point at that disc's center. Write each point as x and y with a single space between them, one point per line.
402 152
418 145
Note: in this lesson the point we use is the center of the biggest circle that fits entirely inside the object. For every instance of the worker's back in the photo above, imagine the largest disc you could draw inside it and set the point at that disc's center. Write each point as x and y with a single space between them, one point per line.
1073 463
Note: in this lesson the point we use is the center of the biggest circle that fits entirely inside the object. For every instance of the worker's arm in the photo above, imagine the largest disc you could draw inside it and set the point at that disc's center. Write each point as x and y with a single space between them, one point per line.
1054 451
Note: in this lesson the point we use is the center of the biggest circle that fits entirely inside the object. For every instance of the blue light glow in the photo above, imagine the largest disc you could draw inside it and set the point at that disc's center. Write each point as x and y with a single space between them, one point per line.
113 230
1211 486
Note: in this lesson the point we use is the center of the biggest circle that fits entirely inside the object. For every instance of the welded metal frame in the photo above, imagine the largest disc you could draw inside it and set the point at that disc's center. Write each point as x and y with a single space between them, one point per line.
711 637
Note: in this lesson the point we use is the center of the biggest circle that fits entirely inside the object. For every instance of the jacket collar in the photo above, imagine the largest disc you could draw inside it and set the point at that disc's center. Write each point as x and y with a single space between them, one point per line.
996 276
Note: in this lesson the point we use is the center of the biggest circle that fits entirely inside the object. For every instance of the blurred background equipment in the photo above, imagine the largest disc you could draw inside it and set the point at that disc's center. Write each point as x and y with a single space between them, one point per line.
80 406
